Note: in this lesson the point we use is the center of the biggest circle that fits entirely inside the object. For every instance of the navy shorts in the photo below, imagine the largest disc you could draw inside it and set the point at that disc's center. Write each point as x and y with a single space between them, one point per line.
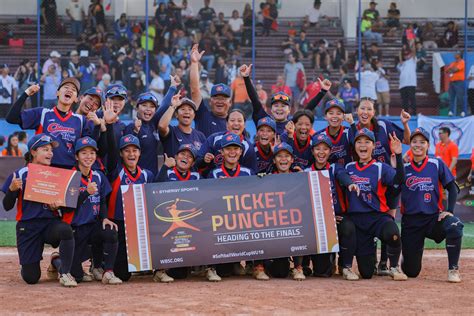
415 228
84 236
31 235
368 226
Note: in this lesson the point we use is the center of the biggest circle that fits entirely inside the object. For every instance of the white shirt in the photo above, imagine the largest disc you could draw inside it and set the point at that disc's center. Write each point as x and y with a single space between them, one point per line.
407 73
382 84
471 74
367 84
76 9
9 84
48 63
157 84
313 16
236 24
188 12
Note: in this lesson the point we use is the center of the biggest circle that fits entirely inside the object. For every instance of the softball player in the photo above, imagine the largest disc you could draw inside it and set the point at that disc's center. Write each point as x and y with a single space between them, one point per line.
180 167
422 207
266 131
37 223
368 211
298 136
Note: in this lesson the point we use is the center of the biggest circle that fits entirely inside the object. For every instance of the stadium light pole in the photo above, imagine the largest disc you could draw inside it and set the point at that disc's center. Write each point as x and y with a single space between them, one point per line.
253 41
359 42
466 71
38 47
147 67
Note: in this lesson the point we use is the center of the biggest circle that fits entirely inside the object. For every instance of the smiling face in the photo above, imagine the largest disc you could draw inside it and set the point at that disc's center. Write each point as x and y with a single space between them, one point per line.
130 156
364 148
67 94
184 161
231 155
283 161
265 135
146 110
43 155
236 123
280 111
185 115
118 103
86 157
321 153
335 117
302 129
366 112
419 147
220 105
14 141
89 103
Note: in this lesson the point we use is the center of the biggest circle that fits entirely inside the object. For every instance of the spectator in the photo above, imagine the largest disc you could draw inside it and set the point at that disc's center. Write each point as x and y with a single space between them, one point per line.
73 65
76 11
291 72
240 97
289 46
339 55
367 79
164 60
262 94
54 58
383 90
221 25
148 42
205 16
12 148
187 14
222 73
312 89
447 150
408 82
236 25
420 57
247 16
429 36
206 85
87 72
8 90
174 11
22 75
50 82
49 13
2 142
393 16
321 56
374 54
97 13
281 86
470 90
372 13
84 44
117 68
122 28
23 141
233 69
101 69
349 95
208 44
366 30
302 45
409 36
162 19
456 85
267 19
314 14
105 82
450 37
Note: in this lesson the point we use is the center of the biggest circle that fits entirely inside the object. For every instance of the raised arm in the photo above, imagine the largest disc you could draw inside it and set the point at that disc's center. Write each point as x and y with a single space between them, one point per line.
164 123
325 86
14 114
195 56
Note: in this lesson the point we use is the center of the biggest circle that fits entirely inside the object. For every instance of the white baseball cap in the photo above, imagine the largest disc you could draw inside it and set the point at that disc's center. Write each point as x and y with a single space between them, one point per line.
55 53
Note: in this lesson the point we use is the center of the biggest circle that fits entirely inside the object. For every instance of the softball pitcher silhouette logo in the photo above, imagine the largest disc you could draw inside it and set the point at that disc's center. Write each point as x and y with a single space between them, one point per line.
177 217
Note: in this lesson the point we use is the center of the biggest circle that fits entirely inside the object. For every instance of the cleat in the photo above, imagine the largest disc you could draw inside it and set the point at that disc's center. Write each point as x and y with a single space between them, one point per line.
110 278
97 273
87 277
259 273
298 274
52 272
162 277
349 275
397 275
454 276
382 269
238 269
67 280
211 275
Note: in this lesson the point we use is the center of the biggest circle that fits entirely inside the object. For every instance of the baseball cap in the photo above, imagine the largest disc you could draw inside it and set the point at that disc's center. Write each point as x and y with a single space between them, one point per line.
55 53
364 132
231 139
72 80
2 66
189 102
221 89
321 139
40 140
129 140
259 82
95 91
282 97
189 148
347 80
116 90
204 74
147 96
266 121
335 103
74 53
85 142
282 147
420 131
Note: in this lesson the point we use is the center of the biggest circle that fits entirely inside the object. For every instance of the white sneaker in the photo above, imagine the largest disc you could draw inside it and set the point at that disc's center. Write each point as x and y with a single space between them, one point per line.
450 113
397 275
110 278
211 275
259 274
162 277
97 273
67 280
463 114
298 274
454 276
52 272
349 275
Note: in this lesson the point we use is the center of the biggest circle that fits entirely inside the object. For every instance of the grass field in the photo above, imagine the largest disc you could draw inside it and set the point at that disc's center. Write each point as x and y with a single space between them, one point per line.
7 236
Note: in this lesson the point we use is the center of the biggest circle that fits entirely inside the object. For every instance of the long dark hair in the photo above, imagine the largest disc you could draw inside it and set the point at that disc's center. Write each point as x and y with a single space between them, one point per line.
10 148
373 120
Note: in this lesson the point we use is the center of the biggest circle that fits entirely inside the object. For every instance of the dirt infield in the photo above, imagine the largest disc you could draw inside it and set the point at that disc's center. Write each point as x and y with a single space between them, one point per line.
428 294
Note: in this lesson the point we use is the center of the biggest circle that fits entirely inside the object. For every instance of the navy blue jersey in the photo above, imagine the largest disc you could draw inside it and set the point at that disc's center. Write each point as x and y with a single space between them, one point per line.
382 151
372 179
264 161
341 146
27 210
88 211
176 137
119 130
65 130
221 172
207 122
280 126
172 174
149 141
303 155
423 186
213 145
121 176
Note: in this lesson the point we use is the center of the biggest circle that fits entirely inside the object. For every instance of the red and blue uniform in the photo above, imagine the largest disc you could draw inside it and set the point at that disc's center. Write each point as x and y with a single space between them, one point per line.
341 147
264 161
176 138
303 154
172 174
207 122
222 172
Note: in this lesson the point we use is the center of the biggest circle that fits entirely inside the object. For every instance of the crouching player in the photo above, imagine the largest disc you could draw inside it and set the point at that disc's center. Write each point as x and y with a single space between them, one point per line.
422 208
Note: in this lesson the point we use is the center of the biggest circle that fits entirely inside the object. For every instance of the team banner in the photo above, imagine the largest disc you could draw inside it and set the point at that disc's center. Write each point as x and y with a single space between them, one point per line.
462 131
204 222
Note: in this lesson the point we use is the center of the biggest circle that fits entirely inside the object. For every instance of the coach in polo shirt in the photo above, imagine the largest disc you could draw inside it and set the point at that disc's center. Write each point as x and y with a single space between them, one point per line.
213 119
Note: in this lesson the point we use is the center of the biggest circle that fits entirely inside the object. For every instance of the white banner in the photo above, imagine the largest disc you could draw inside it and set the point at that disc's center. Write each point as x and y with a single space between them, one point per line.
462 131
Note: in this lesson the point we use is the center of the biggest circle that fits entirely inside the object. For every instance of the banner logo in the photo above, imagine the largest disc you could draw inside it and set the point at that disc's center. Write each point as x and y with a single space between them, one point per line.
177 217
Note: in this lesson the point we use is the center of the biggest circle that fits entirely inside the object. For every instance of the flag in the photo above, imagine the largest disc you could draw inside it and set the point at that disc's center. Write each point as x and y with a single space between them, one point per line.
108 6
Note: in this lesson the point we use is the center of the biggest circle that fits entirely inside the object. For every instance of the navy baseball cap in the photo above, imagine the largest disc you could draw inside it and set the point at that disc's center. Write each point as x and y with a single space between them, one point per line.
96 92
40 140
282 147
116 90
321 139
365 132
282 97
188 147
129 140
147 96
187 101
420 131
221 89
335 103
85 142
266 121
231 139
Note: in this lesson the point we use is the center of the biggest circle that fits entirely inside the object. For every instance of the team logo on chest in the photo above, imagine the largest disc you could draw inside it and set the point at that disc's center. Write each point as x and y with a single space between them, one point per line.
422 183
66 133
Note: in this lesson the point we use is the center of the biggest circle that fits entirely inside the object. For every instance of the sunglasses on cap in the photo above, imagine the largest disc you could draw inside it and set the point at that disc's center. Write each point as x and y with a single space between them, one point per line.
44 138
281 97
367 99
147 97
117 91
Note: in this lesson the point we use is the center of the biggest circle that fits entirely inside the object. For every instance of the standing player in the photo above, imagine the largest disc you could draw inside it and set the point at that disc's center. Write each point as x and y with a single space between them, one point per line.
422 207
266 131
368 211
298 136
38 224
